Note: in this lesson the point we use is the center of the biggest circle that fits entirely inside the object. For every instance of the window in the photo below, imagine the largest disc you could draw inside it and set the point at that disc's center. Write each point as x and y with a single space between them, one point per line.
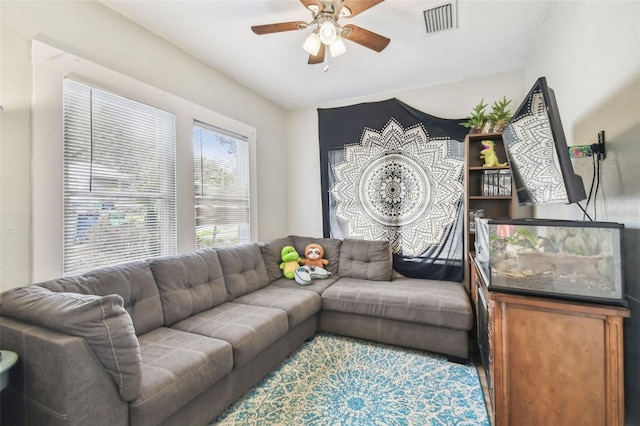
119 183
221 177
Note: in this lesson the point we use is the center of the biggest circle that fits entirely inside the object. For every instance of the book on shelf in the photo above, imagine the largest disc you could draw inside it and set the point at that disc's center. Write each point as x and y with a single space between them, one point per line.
496 183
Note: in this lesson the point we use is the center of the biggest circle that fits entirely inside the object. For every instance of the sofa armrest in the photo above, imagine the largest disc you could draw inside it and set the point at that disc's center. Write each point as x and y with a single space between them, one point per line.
101 321
57 380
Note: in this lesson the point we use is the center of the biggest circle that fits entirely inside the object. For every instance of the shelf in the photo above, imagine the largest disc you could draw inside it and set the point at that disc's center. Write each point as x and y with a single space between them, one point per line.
494 207
482 197
485 136
474 168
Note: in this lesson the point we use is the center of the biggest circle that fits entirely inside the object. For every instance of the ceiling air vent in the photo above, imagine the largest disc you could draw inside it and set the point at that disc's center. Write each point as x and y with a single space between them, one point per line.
440 18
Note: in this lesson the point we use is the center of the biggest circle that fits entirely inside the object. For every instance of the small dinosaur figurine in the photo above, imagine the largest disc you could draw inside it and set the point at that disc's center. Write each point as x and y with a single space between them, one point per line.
489 155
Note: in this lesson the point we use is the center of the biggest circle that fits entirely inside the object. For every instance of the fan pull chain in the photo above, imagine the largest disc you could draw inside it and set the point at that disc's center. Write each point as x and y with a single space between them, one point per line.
326 62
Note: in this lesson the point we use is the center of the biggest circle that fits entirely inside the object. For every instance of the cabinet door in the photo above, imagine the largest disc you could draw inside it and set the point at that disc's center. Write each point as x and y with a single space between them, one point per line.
552 366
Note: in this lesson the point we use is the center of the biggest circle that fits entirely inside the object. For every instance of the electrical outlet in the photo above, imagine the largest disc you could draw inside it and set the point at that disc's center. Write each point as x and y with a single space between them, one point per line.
598 148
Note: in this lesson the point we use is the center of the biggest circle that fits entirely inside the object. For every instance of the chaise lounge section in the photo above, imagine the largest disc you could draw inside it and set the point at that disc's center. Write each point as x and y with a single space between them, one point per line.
176 339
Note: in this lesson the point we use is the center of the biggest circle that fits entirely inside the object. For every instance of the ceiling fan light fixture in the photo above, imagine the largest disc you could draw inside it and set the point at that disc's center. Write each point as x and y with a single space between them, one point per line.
345 12
338 47
328 32
312 43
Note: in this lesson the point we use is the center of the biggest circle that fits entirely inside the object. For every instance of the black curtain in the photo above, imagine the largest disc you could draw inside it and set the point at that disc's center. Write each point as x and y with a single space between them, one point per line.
389 171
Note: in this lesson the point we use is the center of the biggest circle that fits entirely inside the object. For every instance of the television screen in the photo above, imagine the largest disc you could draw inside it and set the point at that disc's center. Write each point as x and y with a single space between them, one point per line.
537 151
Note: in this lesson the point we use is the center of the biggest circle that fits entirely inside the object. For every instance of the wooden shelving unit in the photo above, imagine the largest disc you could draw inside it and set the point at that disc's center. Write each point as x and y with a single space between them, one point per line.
494 207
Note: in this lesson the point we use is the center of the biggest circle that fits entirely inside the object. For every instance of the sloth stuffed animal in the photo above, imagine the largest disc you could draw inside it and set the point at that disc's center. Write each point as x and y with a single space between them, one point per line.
313 256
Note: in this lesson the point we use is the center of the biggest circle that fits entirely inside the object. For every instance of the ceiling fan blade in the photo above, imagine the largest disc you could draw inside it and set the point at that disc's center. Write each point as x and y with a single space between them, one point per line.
319 58
365 38
279 27
358 6
309 3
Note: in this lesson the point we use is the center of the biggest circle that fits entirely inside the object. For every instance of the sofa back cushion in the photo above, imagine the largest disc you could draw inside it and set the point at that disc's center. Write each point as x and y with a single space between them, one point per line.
272 256
243 269
188 284
135 283
101 320
132 281
331 248
71 284
365 259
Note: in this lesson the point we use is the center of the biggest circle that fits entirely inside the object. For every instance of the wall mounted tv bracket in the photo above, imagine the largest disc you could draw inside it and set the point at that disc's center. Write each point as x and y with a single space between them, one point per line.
597 149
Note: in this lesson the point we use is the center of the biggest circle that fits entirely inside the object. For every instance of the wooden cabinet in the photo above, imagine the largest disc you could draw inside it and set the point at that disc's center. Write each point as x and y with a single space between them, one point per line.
548 361
494 206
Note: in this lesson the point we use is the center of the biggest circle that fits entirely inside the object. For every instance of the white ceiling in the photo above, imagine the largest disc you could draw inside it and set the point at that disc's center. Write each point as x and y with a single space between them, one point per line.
492 37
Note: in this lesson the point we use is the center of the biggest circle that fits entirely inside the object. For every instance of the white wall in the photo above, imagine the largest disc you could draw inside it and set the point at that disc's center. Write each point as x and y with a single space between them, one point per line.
590 53
94 32
454 100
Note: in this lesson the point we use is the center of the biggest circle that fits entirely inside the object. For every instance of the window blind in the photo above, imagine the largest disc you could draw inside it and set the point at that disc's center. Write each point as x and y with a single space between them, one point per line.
221 177
119 179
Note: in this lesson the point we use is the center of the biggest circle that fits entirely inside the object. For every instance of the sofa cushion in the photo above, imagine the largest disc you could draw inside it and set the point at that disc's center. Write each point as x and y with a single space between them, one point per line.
132 281
71 284
243 269
188 284
249 329
298 304
272 256
365 259
317 285
101 320
176 368
135 283
331 246
430 302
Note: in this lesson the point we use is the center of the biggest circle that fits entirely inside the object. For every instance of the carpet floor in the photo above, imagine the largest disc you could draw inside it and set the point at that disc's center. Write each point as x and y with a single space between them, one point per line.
336 380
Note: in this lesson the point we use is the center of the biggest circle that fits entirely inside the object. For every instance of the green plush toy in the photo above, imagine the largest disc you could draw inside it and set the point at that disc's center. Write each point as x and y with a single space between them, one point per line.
290 261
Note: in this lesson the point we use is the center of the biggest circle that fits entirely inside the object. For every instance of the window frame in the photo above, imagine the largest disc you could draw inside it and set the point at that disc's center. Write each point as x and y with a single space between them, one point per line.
242 173
50 65
109 144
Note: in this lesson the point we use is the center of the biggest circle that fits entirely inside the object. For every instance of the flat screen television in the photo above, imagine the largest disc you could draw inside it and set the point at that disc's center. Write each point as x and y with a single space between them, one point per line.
537 151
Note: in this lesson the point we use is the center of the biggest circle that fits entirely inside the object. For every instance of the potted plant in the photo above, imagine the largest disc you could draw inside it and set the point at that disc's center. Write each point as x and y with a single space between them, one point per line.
500 115
477 120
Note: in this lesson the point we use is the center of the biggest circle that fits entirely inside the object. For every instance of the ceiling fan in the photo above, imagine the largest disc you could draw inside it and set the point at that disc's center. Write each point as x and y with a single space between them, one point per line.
328 33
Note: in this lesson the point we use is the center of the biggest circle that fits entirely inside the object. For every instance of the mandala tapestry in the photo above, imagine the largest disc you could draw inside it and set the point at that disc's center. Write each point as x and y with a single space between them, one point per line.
537 163
390 172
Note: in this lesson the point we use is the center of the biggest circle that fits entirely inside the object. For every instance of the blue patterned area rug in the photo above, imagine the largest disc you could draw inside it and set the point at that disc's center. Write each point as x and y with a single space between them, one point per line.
335 380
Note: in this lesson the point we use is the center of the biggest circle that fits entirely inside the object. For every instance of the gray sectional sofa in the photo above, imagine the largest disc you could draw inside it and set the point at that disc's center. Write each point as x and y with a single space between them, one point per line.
175 340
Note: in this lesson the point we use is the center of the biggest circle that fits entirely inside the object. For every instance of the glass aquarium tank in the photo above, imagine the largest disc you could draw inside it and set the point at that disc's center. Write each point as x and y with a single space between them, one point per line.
573 260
